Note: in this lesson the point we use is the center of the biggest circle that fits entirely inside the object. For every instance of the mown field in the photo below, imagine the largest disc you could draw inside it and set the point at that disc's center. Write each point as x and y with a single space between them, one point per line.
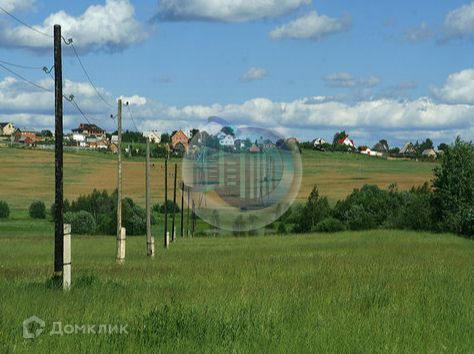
354 292
28 175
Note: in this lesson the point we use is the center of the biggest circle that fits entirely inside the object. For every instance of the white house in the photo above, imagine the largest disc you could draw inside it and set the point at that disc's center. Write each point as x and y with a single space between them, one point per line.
319 142
227 140
79 139
7 128
153 136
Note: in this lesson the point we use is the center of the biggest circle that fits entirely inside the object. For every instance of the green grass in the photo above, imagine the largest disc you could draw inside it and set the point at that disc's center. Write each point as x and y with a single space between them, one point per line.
377 291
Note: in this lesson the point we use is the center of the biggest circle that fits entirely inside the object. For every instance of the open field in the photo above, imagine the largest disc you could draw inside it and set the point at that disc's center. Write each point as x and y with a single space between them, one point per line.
377 291
27 175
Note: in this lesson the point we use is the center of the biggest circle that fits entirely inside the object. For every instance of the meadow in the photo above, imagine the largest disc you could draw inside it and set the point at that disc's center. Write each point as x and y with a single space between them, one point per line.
28 175
348 292
375 291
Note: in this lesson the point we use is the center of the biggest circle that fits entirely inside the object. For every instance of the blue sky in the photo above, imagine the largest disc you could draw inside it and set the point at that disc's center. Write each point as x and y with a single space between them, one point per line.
396 70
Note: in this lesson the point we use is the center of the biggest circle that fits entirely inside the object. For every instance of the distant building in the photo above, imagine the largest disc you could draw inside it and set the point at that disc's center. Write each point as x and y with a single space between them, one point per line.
89 130
227 140
367 151
379 147
430 153
7 128
347 141
408 149
153 136
20 137
179 141
254 149
79 139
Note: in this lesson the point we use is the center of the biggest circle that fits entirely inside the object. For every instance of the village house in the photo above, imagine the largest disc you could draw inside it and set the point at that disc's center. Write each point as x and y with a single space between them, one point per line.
254 149
226 140
7 129
347 141
364 150
408 149
429 153
153 136
89 130
179 141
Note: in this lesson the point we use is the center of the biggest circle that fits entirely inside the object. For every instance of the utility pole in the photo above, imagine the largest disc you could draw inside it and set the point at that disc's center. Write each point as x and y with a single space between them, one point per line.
166 203
58 165
150 245
173 231
187 220
193 220
120 232
182 208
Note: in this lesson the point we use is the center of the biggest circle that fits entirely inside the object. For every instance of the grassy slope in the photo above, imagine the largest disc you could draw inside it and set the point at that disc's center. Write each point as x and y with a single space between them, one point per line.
374 291
27 175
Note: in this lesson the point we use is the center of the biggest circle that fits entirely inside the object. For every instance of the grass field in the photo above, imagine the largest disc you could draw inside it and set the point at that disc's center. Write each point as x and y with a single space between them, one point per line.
27 175
358 292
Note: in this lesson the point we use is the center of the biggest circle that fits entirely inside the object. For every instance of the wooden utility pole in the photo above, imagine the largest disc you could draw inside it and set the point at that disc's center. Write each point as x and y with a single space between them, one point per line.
173 231
187 220
182 208
58 165
166 203
120 233
150 244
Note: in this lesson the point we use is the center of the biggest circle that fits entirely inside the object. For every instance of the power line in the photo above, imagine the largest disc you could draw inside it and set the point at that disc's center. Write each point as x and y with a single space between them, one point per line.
22 66
25 24
131 116
69 42
25 79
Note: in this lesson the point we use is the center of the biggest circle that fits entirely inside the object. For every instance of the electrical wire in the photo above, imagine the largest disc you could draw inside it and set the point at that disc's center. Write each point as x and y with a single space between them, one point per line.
69 42
22 66
25 79
131 116
25 24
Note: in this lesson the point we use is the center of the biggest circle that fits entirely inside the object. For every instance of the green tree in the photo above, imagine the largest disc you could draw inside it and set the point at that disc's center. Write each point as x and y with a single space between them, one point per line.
453 199
337 136
228 131
165 138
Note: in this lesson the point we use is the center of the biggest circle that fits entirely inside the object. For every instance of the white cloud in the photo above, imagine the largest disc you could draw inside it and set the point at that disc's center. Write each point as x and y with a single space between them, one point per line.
254 73
458 88
459 22
134 100
226 10
418 34
311 26
309 116
110 27
347 80
16 5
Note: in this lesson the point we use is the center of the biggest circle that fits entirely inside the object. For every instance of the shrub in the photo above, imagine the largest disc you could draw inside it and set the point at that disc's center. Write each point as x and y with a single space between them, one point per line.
4 209
316 209
82 222
37 210
281 230
330 225
453 185
66 208
169 207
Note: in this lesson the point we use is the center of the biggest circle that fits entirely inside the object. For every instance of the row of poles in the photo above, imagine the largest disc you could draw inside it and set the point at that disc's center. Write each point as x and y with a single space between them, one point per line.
62 232
150 242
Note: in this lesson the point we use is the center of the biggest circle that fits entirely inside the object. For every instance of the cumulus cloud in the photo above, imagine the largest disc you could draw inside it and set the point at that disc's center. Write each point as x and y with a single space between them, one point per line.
108 27
458 88
418 34
347 80
134 100
459 22
391 118
16 5
254 73
311 26
225 10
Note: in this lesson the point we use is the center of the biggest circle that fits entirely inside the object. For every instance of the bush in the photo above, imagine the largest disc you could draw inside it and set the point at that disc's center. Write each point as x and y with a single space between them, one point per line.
66 208
281 230
330 225
453 184
316 209
37 210
82 222
169 207
4 209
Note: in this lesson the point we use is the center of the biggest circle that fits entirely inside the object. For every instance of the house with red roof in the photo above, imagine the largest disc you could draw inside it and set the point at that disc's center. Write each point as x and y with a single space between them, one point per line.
347 141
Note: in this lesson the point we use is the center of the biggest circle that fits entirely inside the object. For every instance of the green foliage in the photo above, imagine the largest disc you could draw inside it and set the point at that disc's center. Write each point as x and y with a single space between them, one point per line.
4 209
282 230
169 207
82 222
330 225
239 226
453 198
316 209
338 136
37 210
66 208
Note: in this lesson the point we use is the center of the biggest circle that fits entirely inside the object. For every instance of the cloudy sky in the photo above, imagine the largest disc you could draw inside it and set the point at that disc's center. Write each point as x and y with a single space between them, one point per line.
400 70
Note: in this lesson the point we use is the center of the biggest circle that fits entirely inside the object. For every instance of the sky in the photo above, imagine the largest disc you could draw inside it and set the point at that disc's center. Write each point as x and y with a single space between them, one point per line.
397 70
